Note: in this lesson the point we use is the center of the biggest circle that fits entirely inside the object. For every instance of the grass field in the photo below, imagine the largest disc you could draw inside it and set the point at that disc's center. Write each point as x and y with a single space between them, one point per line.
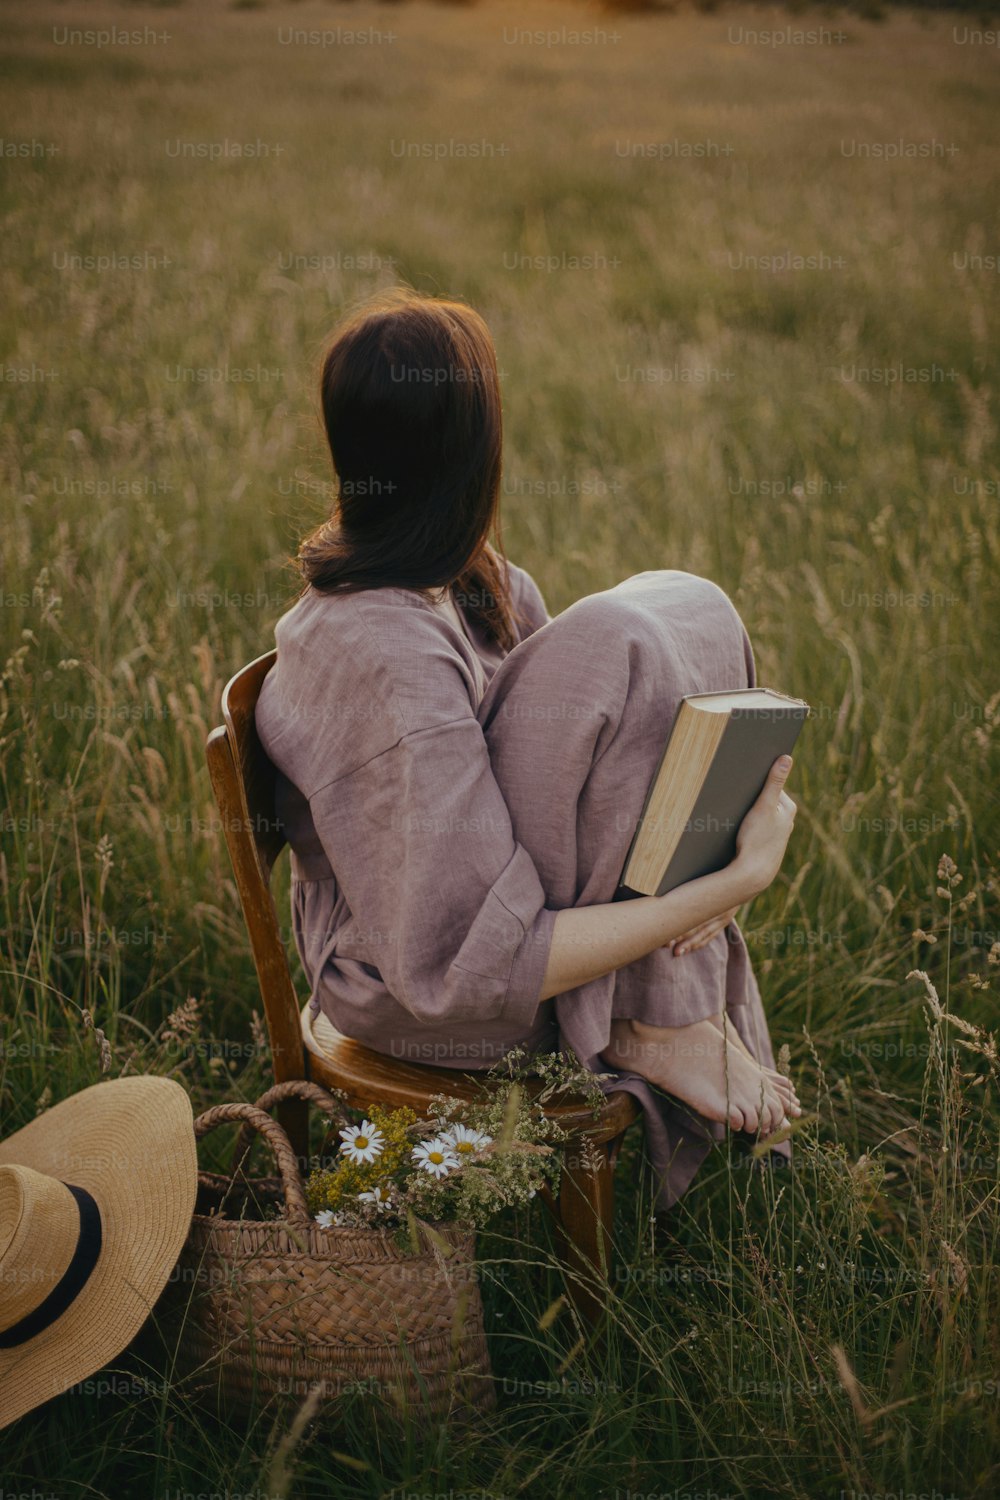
744 295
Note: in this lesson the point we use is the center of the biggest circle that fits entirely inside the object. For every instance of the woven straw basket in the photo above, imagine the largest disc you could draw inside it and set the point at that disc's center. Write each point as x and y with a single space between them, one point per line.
273 1307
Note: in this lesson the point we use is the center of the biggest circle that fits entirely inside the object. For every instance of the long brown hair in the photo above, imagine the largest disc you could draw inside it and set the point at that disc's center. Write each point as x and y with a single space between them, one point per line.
411 405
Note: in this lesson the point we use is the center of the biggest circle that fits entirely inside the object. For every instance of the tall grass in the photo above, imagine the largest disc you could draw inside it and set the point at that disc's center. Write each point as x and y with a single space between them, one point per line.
810 1333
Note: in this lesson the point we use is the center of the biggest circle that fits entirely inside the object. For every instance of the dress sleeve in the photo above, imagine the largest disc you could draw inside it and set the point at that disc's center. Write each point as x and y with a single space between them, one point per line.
529 602
448 906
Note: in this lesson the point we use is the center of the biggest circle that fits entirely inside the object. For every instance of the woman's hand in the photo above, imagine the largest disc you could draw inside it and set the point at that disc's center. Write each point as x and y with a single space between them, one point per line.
764 833
689 942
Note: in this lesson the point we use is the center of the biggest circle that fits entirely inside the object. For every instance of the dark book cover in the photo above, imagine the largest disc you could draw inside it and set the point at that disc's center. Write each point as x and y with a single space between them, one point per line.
751 742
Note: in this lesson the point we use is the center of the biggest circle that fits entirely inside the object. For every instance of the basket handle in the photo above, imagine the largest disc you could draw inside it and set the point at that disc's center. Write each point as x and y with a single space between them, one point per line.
293 1088
255 1119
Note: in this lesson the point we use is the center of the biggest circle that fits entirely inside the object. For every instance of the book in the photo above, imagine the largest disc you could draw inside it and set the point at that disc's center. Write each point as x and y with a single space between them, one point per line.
712 770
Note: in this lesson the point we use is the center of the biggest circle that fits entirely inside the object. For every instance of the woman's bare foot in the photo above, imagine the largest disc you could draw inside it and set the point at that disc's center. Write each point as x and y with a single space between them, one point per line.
698 1064
781 1084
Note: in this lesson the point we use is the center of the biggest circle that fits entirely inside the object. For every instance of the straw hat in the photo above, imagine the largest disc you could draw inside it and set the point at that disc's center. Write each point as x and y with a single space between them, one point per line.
96 1198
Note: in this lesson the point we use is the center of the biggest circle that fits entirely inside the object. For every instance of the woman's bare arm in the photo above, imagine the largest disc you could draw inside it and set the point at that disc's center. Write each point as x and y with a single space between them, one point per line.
589 941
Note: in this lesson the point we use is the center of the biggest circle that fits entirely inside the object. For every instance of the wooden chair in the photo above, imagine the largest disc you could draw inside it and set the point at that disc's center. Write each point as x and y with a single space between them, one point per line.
243 780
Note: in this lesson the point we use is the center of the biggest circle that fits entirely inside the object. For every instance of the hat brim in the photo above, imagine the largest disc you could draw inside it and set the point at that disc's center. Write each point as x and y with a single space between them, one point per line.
130 1142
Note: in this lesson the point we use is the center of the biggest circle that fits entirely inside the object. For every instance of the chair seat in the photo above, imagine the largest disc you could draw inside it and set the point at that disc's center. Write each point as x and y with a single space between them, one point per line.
367 1077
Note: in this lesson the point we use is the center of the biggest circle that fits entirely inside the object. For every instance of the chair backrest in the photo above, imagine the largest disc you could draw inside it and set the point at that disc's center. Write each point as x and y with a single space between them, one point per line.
243 780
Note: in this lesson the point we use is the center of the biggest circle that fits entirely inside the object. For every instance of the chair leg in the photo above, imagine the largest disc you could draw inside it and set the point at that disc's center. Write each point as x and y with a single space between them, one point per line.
293 1117
583 1226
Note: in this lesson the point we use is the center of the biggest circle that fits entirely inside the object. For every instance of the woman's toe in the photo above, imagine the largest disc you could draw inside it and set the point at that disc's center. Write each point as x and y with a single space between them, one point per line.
772 1112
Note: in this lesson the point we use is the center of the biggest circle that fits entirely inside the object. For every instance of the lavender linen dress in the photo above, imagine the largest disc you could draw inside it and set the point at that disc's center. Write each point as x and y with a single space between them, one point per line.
443 801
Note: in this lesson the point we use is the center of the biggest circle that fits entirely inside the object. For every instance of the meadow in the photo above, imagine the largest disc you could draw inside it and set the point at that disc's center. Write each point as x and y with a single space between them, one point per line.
744 293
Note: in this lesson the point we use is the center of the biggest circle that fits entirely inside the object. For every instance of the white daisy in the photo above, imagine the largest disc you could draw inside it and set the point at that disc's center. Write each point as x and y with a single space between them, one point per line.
375 1196
362 1142
464 1141
436 1157
325 1218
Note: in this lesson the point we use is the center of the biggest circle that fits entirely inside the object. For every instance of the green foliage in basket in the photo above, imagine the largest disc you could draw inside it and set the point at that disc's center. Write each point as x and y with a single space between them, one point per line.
463 1163
358 1170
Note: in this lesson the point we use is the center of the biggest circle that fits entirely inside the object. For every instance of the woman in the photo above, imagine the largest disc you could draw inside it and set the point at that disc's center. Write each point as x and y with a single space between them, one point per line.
460 774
